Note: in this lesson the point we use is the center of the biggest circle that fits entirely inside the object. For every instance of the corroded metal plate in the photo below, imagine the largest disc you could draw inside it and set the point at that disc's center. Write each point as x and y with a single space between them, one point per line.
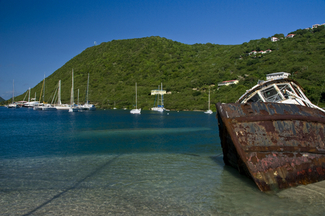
277 145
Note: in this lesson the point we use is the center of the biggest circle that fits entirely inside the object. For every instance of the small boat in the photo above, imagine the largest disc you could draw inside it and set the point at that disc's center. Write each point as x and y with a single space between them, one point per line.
13 104
48 107
60 105
209 111
160 107
40 106
136 110
73 107
31 102
274 135
87 105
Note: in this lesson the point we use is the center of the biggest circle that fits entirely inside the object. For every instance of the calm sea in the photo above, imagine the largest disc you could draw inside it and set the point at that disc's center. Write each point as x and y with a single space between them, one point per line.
110 162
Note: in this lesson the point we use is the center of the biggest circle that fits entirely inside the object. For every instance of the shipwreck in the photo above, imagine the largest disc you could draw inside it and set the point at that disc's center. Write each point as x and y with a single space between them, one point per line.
274 134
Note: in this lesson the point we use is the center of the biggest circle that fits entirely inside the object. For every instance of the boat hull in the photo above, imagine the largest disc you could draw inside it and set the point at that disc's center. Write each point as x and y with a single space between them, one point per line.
277 145
135 111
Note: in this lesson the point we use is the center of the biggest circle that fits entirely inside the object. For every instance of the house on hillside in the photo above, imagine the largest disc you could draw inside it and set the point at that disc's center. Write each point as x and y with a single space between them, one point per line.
315 25
277 75
229 82
259 52
252 53
273 39
290 35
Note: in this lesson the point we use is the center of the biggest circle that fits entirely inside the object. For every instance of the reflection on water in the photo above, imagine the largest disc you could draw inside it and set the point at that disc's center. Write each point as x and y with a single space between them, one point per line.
114 163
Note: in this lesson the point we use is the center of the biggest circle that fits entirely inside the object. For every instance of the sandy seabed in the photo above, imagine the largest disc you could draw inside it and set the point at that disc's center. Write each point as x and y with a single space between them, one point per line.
143 184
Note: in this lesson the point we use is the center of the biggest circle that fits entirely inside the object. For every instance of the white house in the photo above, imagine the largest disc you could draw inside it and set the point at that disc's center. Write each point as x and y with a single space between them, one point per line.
277 75
290 35
268 51
253 52
229 82
315 25
273 39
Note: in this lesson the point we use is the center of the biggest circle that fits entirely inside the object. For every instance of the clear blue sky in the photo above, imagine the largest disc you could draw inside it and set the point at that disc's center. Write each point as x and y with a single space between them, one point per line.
37 37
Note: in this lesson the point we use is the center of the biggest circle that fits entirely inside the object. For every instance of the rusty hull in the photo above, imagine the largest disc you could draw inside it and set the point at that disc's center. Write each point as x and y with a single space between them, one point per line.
277 145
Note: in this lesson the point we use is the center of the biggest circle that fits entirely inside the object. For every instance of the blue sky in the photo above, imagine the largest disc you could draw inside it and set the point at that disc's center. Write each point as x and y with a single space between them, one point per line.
37 37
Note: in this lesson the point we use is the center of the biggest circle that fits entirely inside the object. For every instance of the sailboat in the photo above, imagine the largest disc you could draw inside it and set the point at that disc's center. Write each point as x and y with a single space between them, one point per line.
59 105
159 108
136 110
13 104
45 106
72 107
31 101
209 111
87 105
40 105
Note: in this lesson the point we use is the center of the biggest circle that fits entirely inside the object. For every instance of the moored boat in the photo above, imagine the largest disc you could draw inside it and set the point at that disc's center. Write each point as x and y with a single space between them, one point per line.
136 110
160 107
87 105
209 111
48 107
73 107
13 104
274 134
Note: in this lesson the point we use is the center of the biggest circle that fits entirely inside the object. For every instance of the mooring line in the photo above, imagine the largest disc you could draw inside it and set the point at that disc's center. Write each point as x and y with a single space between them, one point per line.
72 187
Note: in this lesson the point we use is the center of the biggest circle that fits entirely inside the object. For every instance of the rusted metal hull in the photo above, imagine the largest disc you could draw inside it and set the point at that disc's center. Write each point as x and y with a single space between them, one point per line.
277 145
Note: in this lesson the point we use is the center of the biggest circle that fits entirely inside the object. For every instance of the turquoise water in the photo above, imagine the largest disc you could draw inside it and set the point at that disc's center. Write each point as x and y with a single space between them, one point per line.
113 163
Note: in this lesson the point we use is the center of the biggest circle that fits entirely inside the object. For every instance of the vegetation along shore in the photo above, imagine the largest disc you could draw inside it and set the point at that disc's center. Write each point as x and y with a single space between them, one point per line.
188 71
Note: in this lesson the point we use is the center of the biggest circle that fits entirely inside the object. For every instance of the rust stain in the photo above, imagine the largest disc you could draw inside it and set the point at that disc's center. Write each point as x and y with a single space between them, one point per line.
281 145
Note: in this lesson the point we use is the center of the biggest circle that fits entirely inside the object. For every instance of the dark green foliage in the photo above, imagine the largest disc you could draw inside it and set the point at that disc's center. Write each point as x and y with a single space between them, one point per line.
115 66
1 99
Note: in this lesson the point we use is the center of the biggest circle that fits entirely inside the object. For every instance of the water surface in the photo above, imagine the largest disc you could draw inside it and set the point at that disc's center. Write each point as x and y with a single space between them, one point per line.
114 163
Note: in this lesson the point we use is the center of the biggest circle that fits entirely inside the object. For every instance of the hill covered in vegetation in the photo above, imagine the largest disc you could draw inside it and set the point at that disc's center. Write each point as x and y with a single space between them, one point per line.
187 71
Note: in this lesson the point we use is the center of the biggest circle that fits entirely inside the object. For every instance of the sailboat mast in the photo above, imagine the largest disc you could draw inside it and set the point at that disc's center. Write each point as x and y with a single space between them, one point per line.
78 96
13 90
136 97
59 93
44 89
87 88
162 97
29 95
158 96
209 97
72 96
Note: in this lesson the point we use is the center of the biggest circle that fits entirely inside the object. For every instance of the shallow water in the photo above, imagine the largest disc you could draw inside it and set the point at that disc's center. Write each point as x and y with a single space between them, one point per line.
115 163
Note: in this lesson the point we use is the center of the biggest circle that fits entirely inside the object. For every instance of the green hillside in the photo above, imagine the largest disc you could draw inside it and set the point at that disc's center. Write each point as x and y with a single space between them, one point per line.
1 99
115 66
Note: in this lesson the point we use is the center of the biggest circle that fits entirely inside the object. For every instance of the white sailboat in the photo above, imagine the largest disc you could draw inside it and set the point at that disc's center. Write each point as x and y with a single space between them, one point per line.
59 105
160 107
31 101
13 104
72 107
87 105
209 111
46 106
136 110
40 105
